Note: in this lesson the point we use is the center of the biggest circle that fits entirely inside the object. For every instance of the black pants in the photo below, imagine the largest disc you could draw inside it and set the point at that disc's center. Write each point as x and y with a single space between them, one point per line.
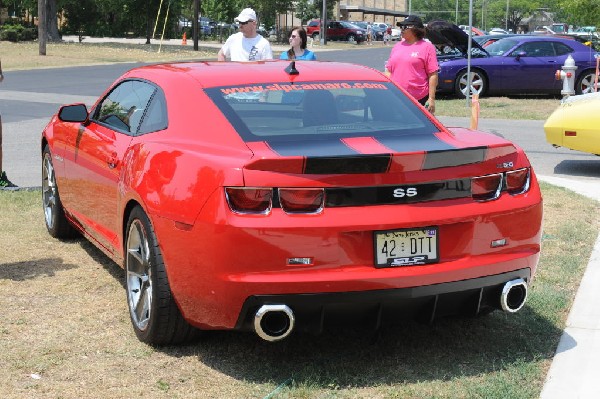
423 101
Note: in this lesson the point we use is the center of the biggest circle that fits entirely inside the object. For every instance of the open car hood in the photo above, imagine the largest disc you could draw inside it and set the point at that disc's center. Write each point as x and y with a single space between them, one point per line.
451 41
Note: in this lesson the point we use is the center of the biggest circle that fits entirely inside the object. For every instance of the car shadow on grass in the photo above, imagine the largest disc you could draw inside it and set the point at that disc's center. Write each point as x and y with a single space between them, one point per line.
109 265
410 352
27 270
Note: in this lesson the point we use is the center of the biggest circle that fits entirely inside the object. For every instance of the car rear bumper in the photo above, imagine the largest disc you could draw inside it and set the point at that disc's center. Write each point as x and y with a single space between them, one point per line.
316 312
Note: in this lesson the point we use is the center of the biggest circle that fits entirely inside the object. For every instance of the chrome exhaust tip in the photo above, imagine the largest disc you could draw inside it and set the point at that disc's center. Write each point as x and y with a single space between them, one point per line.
274 322
514 295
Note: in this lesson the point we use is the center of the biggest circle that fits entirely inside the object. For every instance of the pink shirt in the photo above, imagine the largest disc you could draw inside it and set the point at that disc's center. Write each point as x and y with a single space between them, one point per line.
410 64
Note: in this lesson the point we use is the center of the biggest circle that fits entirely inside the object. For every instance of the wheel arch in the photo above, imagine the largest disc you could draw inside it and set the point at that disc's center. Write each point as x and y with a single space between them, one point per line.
127 209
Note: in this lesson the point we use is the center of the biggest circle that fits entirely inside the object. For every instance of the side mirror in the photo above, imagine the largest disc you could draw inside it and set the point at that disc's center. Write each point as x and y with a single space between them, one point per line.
520 54
73 113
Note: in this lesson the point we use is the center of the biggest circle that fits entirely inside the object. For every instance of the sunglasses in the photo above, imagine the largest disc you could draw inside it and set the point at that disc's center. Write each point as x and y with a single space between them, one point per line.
245 23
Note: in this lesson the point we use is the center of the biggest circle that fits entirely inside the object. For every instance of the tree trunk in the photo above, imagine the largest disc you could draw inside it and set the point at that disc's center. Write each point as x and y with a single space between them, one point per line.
52 21
42 35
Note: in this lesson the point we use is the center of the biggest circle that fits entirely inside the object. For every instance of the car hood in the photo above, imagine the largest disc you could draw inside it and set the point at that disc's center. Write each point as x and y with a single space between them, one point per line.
444 34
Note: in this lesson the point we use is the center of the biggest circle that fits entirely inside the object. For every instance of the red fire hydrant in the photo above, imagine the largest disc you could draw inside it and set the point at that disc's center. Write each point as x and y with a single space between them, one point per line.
568 77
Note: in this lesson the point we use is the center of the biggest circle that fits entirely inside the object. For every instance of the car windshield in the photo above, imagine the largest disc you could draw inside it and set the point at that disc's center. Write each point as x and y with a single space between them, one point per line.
501 46
315 110
349 25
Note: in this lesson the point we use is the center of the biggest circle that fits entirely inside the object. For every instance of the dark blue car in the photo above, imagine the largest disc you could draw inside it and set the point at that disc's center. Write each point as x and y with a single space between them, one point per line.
522 64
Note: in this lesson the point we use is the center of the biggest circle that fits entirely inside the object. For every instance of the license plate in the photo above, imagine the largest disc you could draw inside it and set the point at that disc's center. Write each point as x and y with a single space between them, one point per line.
406 247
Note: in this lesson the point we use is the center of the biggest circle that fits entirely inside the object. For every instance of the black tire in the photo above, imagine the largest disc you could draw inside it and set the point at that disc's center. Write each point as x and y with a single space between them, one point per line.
479 83
351 38
315 36
155 317
54 214
585 82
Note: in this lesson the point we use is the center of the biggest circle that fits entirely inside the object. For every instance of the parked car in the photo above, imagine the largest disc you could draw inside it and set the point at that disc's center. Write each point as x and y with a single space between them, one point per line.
575 124
522 64
498 31
586 31
206 26
337 30
486 40
379 29
330 197
475 31
183 22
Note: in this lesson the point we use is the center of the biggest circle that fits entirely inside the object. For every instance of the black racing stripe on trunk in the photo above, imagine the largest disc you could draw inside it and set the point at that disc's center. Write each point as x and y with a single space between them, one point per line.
456 157
397 194
311 148
414 143
348 165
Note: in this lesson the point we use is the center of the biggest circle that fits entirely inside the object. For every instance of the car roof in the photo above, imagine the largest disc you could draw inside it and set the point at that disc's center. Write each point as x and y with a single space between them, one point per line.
215 73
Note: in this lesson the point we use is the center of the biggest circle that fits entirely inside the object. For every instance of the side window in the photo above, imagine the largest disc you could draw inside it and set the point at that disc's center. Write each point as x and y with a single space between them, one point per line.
155 117
562 49
537 49
126 105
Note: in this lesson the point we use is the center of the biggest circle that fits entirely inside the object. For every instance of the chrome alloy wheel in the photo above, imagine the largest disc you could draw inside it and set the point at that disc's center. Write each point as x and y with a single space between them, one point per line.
586 83
478 83
49 191
139 275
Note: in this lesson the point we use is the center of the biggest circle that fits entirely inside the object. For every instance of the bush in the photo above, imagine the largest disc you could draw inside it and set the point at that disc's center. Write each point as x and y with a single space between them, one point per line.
17 32
28 34
10 35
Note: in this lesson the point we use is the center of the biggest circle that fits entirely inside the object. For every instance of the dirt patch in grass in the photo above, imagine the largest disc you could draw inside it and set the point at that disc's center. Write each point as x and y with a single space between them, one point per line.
66 333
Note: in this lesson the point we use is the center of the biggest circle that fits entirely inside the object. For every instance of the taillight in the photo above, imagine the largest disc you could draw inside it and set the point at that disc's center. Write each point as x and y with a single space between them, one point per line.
249 200
304 200
486 188
517 181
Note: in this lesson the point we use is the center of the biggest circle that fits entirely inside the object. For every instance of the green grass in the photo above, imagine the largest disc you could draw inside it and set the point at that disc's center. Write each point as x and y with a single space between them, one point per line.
65 318
518 107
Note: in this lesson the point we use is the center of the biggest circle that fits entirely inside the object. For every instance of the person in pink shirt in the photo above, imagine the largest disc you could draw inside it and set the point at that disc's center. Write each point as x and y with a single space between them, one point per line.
413 64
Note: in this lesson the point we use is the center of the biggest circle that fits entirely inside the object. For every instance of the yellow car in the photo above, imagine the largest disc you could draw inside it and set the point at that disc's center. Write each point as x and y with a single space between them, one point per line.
575 124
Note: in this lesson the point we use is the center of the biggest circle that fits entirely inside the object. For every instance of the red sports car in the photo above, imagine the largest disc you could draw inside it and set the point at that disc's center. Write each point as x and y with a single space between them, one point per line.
275 196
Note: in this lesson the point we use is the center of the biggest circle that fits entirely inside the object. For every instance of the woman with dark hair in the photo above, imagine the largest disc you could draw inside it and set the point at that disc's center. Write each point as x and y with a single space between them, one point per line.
298 51
413 64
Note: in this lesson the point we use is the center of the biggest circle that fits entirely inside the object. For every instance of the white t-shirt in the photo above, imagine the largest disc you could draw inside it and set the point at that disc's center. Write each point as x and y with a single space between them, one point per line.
239 48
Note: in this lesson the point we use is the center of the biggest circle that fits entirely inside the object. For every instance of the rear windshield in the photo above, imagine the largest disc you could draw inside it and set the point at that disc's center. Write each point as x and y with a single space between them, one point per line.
285 111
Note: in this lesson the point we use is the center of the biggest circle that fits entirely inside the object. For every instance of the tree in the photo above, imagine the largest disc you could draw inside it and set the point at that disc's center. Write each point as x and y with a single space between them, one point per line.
581 12
319 7
306 11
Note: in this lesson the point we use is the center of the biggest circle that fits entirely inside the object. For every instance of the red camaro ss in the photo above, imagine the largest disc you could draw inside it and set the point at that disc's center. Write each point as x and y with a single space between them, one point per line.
275 196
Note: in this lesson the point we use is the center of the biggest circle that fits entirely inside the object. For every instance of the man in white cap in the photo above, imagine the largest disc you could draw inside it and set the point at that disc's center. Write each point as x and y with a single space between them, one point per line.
247 44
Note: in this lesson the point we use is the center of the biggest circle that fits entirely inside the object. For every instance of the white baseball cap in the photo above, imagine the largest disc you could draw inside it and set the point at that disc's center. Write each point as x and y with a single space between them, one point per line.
246 15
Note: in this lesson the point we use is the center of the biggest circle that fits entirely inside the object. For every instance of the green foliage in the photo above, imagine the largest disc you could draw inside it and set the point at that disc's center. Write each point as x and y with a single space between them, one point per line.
306 11
17 33
581 12
487 14
10 35
319 8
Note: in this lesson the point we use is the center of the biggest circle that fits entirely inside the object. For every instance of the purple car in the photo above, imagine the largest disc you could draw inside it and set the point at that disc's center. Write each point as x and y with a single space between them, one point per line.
522 64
